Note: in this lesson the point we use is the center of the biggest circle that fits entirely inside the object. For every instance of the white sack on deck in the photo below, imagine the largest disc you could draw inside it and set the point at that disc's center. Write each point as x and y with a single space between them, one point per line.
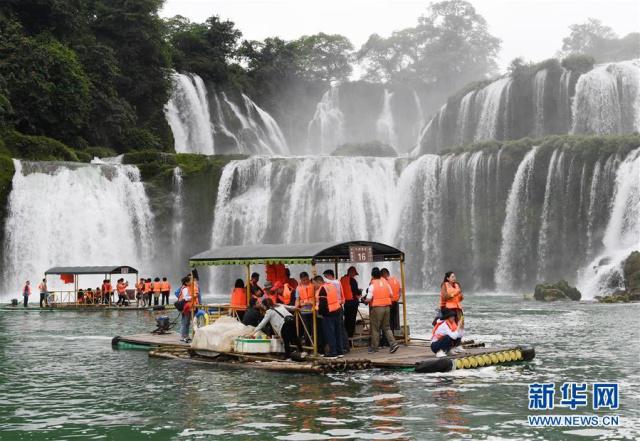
219 336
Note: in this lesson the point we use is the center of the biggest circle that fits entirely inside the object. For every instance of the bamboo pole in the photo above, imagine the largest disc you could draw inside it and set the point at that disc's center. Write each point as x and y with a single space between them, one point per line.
193 300
248 284
314 273
404 303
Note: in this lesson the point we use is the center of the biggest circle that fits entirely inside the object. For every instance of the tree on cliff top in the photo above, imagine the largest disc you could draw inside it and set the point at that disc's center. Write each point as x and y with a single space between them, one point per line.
449 47
601 42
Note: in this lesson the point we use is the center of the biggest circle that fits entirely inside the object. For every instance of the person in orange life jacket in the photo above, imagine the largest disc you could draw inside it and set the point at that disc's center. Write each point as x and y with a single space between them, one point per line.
446 334
379 299
121 288
165 289
156 287
196 285
342 338
238 301
26 292
139 291
147 292
351 294
282 323
42 287
290 285
396 289
276 294
190 302
328 305
255 289
106 291
304 302
451 295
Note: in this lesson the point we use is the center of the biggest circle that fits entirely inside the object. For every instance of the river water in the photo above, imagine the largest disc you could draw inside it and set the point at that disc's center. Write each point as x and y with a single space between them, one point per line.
60 379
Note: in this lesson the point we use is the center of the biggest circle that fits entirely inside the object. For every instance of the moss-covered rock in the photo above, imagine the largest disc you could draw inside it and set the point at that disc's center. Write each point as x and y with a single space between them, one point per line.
6 178
371 148
632 273
549 292
36 148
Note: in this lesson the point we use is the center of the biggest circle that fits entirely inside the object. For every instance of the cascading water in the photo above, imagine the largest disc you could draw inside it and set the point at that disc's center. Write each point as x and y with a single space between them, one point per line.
97 215
480 214
325 131
385 125
200 120
177 222
490 109
622 235
516 230
539 82
551 208
607 99
187 113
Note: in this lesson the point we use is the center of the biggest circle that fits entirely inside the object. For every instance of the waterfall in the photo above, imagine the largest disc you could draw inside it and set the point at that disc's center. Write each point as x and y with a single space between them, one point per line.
200 119
385 125
464 123
178 208
539 82
96 215
622 234
489 100
416 223
516 228
325 131
419 113
551 208
187 113
607 99
269 133
303 200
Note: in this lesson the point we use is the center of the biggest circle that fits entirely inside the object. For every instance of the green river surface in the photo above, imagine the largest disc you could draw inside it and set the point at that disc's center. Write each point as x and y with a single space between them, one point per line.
60 379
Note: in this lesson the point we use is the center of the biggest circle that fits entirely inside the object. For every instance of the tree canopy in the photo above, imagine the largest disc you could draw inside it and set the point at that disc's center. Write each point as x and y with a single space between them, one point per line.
600 41
450 46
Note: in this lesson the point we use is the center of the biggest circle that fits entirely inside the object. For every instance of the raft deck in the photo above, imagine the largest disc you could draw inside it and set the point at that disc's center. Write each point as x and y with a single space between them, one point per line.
415 356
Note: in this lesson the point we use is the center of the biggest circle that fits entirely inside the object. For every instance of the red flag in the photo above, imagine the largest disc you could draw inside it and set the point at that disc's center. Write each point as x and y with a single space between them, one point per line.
66 278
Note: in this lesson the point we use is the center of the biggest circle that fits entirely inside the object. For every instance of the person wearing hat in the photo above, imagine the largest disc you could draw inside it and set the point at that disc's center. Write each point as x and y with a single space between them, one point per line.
351 294
266 292
446 334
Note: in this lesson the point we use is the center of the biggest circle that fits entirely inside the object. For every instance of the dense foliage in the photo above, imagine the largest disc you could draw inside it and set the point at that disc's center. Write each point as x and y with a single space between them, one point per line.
599 41
85 72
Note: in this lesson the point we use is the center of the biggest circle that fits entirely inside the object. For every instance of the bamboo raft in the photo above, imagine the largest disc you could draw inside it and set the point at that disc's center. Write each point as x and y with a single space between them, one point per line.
416 356
83 307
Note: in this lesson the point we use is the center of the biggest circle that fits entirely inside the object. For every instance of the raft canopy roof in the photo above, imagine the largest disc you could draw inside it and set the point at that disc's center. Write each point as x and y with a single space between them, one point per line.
296 253
92 270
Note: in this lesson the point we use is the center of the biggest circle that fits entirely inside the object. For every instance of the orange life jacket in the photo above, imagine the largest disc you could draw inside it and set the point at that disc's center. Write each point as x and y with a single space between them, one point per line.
345 281
107 287
305 294
381 293
333 299
147 286
121 288
197 286
239 299
453 302
139 286
157 287
452 326
286 294
395 288
165 286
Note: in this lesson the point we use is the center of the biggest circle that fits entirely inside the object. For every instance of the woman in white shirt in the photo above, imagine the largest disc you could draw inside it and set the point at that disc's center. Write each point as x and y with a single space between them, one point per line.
446 333
282 323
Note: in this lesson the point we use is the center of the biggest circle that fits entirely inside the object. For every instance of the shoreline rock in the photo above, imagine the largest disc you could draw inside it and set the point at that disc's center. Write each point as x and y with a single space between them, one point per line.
551 292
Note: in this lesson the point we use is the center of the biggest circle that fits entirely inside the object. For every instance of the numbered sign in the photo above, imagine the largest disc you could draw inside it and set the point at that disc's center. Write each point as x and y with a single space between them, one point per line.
124 270
360 254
